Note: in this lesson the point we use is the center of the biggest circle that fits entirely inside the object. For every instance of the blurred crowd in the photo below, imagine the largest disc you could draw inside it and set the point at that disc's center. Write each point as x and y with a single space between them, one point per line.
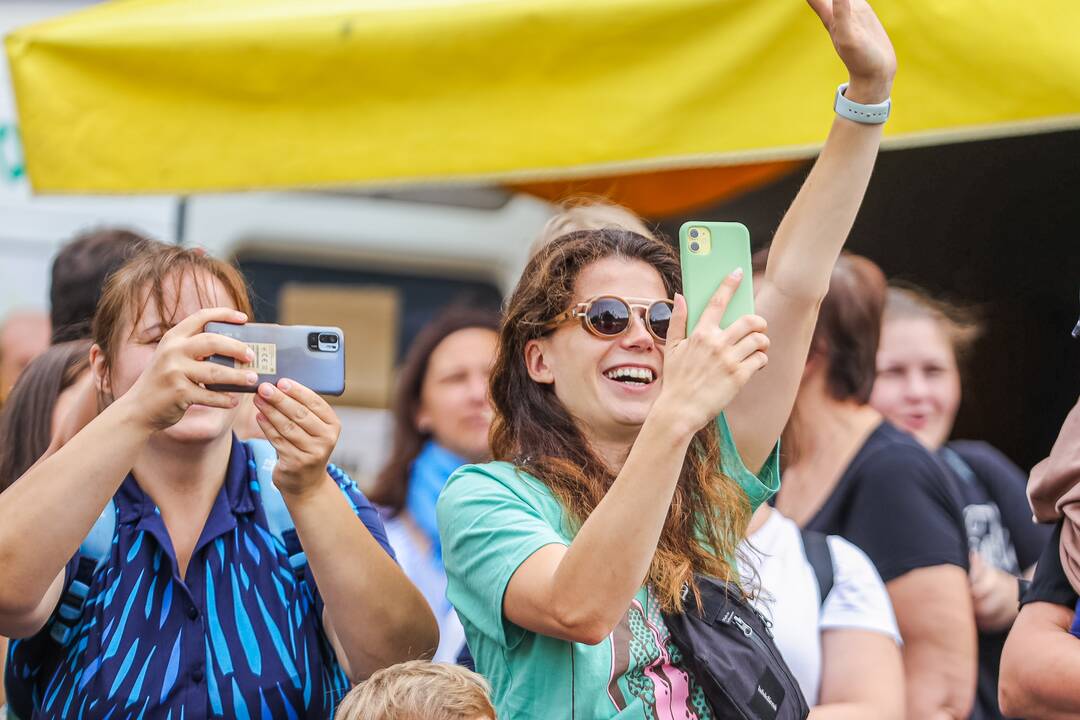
569 484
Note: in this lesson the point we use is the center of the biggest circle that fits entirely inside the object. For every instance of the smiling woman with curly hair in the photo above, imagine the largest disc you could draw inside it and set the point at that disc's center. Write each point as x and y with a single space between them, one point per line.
630 454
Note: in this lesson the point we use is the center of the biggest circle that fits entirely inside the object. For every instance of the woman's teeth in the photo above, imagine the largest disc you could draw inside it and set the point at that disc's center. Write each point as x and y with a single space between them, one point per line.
640 375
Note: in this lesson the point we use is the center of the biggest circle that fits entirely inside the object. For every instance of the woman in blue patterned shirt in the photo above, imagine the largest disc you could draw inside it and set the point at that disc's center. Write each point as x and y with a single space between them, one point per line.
196 610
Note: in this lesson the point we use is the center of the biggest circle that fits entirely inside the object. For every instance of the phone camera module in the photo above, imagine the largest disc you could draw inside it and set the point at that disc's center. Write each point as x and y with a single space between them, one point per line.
328 342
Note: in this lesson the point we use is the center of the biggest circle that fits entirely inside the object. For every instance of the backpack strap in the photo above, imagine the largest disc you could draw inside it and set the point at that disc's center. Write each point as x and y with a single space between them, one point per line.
278 518
818 554
958 465
93 553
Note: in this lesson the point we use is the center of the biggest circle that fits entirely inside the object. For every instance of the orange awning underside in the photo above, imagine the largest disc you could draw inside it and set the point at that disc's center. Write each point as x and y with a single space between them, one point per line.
667 192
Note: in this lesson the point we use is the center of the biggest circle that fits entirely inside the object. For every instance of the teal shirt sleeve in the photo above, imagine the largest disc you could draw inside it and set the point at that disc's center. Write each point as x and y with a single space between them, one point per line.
759 488
488 528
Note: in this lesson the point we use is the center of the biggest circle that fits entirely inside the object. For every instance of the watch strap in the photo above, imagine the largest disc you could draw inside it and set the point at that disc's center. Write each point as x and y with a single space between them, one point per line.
875 114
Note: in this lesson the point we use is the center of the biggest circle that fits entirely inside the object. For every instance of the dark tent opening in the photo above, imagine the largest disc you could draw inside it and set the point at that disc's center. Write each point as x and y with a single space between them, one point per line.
994 224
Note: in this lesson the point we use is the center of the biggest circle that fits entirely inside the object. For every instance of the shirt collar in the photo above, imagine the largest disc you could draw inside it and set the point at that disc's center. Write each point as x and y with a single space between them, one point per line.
234 498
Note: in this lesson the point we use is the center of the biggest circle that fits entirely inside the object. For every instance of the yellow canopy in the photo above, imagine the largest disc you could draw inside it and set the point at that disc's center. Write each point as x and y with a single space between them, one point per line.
190 95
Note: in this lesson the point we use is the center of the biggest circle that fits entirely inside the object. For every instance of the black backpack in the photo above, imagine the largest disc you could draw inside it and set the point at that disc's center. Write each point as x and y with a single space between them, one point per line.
729 648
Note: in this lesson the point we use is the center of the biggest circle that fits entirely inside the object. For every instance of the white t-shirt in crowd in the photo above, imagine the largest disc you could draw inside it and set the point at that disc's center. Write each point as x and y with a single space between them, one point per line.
790 598
426 572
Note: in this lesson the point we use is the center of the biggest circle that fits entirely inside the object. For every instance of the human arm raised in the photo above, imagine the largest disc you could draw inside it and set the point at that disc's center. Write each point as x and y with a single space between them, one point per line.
579 593
813 231
67 489
374 616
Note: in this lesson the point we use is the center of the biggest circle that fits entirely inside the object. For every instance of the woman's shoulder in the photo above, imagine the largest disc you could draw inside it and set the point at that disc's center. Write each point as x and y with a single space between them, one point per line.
859 599
497 477
852 564
889 452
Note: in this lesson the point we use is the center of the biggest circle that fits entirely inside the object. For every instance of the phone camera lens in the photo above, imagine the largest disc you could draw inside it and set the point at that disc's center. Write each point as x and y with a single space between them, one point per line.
694 233
694 247
328 342
313 342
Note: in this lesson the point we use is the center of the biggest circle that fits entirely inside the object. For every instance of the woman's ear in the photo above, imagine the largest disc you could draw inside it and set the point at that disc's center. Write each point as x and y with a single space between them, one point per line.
422 419
536 362
99 368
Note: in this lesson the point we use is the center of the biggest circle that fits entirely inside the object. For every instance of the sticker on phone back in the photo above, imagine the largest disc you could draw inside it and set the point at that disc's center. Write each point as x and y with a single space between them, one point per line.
265 362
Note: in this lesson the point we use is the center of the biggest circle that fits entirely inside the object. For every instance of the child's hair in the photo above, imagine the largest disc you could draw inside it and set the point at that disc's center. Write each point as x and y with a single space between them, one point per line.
585 212
419 690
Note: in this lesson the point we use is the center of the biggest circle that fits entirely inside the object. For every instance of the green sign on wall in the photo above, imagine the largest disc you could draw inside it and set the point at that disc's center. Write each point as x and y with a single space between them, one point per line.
12 167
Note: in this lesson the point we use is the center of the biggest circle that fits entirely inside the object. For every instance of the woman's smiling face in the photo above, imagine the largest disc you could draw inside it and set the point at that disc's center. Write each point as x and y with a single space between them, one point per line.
591 375
918 382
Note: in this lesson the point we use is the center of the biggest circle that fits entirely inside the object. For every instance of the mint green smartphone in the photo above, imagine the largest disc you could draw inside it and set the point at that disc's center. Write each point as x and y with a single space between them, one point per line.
709 252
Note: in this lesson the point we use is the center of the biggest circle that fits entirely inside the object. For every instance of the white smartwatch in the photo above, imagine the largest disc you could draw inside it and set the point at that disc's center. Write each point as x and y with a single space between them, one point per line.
866 114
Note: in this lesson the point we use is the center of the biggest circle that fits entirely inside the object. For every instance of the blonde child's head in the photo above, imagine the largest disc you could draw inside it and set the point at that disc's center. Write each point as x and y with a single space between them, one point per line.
588 213
419 690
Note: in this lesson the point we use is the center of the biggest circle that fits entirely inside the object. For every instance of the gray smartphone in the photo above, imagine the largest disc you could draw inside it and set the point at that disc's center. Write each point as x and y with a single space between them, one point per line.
312 355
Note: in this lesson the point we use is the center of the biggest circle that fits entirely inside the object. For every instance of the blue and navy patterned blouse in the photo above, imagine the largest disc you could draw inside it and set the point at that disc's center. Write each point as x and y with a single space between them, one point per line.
239 637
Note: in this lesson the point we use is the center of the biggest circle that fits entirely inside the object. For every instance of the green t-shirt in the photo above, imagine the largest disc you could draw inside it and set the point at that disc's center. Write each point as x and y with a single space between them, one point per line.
494 516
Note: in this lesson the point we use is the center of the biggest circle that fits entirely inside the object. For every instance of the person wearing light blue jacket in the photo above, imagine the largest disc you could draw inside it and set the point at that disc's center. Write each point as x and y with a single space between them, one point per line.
441 422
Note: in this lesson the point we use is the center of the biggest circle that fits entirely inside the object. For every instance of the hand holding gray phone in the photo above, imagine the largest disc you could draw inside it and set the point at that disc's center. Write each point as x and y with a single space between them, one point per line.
312 355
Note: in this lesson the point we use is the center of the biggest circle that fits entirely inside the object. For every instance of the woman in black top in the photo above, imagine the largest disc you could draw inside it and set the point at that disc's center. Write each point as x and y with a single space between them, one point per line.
918 389
1040 664
850 473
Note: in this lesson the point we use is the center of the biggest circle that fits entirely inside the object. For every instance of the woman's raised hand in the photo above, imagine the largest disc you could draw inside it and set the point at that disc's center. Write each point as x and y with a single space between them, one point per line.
303 428
179 370
705 371
863 46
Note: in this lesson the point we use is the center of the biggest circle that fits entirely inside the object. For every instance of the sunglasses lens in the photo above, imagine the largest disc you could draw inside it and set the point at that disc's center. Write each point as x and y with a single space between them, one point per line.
660 319
608 316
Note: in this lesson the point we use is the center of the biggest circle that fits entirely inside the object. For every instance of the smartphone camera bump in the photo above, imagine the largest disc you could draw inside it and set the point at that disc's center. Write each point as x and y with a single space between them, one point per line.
329 342
323 342
700 241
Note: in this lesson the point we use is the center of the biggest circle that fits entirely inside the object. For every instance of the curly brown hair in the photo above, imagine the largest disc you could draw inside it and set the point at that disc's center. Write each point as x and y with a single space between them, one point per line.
709 513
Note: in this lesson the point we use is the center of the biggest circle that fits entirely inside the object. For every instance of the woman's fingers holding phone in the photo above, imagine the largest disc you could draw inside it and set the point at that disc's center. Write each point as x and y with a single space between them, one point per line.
751 345
755 342
271 404
303 430
677 325
311 400
210 398
173 381
194 323
206 344
718 303
205 372
293 418
744 326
